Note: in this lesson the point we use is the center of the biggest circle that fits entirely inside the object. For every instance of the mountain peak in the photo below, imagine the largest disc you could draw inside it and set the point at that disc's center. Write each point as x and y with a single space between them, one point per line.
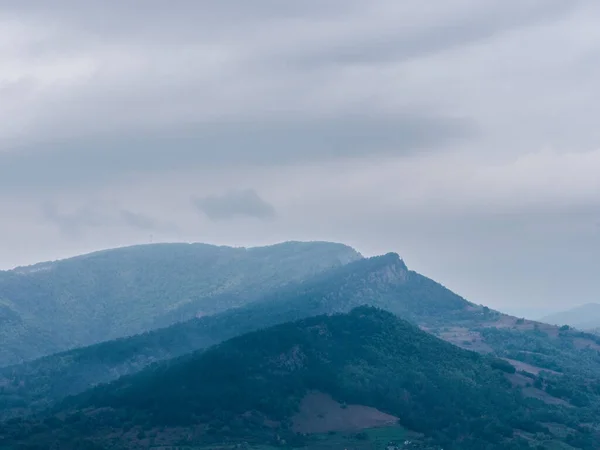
394 258
389 267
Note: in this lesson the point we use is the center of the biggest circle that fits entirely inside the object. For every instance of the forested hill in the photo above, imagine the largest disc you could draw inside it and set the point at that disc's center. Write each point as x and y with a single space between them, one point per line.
251 389
383 281
556 365
55 306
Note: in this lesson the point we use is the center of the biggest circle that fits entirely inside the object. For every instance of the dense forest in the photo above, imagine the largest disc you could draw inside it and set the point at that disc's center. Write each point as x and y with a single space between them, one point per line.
249 389
382 281
56 306
547 377
559 364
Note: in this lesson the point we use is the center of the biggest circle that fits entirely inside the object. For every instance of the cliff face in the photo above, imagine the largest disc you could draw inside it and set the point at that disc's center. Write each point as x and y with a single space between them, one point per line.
393 270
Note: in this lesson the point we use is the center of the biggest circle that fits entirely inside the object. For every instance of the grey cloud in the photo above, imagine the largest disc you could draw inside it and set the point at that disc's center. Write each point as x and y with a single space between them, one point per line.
234 204
272 142
76 222
404 43
451 25
144 222
72 223
154 118
128 16
155 18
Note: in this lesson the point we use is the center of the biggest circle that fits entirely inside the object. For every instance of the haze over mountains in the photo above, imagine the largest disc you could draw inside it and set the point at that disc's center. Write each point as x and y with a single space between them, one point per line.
383 281
549 377
50 307
584 317
451 149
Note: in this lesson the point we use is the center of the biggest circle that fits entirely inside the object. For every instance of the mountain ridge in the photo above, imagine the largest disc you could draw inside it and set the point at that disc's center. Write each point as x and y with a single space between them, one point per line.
113 293
554 365
42 264
384 281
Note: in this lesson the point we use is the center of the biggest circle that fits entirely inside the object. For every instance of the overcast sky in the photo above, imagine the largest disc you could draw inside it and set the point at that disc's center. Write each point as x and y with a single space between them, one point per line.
462 134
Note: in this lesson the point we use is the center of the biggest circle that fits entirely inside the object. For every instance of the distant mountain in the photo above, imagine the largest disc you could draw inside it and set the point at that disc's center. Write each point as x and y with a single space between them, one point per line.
55 306
566 363
280 385
584 317
382 281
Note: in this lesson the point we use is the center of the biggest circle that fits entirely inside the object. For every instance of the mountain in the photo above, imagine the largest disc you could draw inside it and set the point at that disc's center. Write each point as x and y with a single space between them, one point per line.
55 306
584 317
382 281
265 387
564 364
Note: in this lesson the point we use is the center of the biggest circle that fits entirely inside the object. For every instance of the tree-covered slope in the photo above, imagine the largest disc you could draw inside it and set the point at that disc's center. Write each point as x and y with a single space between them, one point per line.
54 306
536 349
382 281
249 389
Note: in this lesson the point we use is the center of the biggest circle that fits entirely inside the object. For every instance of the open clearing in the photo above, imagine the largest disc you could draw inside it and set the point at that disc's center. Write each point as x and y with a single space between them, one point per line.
319 413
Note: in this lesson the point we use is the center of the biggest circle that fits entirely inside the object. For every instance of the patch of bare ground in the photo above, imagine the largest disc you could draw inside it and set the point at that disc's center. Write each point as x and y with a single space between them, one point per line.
535 370
320 413
465 338
506 321
544 396
557 429
518 380
524 383
525 435
581 343
554 331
